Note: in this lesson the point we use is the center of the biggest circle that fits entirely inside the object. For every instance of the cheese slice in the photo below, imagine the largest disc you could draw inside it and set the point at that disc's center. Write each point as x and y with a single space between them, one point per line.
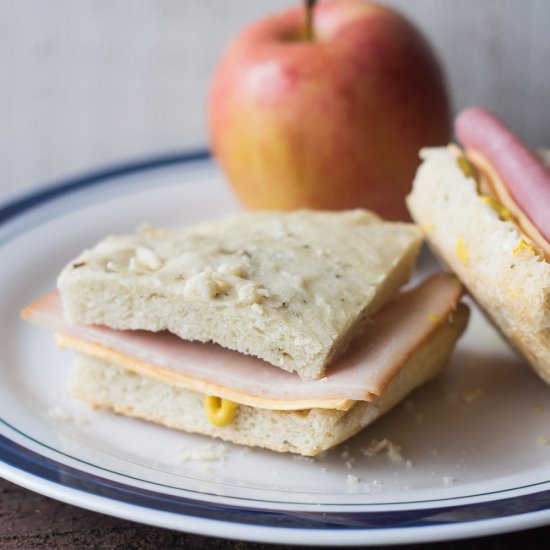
362 374
496 185
174 378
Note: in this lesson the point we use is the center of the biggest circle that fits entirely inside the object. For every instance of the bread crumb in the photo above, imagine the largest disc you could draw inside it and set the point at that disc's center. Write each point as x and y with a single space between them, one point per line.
377 485
206 453
61 415
352 480
392 450
300 458
543 441
434 318
57 413
448 481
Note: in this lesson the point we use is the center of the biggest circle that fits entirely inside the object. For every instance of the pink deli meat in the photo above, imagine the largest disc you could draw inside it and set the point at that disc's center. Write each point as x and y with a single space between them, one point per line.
370 364
526 178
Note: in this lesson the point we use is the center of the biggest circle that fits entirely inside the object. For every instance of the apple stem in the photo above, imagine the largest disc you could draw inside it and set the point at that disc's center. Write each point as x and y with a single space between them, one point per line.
308 27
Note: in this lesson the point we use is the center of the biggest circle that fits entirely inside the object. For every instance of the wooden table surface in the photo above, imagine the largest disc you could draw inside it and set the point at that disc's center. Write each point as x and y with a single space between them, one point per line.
29 520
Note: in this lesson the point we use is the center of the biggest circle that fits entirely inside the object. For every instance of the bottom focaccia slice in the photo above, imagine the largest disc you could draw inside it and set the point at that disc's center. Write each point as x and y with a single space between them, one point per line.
306 432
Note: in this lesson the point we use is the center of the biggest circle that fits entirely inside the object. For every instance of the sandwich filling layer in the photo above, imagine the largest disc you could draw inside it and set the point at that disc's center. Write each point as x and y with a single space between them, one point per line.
306 432
510 172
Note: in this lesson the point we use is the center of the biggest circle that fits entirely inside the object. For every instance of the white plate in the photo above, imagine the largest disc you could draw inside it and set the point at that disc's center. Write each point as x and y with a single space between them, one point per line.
474 441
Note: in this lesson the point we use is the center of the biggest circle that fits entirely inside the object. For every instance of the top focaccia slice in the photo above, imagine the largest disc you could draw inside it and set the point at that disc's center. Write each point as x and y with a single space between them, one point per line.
291 288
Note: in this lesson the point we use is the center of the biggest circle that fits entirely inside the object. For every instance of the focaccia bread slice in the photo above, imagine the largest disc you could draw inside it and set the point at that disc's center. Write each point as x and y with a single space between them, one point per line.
506 275
307 432
290 288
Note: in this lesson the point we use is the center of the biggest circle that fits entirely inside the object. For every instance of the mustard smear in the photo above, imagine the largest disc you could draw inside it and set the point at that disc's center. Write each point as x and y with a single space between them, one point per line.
219 411
462 251
503 213
465 167
524 245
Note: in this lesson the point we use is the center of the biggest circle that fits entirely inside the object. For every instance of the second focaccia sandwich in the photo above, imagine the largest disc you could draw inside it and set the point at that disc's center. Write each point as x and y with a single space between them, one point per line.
485 211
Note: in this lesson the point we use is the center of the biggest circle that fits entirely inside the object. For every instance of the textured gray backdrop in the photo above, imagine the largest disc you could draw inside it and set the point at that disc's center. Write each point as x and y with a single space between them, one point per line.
85 83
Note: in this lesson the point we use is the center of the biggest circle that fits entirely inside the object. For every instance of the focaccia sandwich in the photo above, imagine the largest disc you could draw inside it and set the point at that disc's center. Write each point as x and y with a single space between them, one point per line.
279 330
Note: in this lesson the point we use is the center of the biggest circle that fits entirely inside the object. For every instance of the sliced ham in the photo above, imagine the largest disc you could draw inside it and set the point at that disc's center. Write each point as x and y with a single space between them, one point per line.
526 178
362 373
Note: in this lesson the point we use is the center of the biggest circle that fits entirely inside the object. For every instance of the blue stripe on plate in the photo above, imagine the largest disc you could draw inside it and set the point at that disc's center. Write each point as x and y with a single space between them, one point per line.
50 192
48 469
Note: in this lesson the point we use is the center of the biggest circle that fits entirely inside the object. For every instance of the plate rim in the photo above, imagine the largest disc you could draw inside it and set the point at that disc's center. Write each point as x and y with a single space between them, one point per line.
427 531
430 532
42 194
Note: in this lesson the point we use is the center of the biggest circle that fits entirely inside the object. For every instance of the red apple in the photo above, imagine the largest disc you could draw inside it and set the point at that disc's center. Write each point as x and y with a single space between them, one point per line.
333 122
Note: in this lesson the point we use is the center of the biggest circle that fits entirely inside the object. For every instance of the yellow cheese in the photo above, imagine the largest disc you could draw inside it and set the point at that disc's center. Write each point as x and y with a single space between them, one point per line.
173 378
